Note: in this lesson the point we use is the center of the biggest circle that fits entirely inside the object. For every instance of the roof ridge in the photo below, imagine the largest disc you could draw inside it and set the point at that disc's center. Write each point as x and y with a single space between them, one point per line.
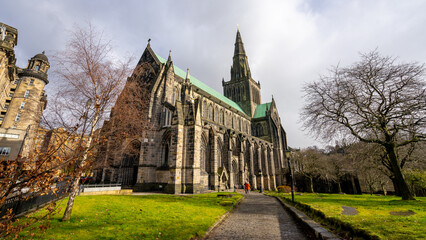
203 86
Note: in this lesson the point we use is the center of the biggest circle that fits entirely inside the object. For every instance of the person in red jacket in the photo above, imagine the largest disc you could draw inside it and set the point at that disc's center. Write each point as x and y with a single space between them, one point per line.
247 187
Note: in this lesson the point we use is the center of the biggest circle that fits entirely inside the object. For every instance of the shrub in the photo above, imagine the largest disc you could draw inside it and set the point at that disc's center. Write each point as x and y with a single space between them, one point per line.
285 189
416 181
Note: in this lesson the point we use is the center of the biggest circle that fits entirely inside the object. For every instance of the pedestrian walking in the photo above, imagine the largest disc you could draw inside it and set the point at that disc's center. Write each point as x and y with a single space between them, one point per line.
247 187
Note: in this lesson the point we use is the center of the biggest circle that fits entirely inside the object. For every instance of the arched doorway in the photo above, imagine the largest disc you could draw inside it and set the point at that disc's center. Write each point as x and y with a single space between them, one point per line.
129 164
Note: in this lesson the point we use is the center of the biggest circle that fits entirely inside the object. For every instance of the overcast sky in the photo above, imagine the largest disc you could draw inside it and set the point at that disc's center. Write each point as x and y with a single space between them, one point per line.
288 43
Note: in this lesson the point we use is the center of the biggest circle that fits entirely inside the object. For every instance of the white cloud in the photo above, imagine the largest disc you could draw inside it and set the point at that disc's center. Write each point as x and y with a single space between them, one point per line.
287 42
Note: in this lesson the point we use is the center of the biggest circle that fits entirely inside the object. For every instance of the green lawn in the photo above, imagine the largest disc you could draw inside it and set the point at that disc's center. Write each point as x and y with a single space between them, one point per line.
373 213
139 217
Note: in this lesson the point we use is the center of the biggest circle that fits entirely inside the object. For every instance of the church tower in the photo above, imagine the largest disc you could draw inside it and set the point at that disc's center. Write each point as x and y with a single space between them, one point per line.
27 99
242 89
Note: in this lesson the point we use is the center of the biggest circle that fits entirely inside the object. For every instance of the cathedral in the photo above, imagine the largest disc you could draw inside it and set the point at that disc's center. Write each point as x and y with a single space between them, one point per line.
198 139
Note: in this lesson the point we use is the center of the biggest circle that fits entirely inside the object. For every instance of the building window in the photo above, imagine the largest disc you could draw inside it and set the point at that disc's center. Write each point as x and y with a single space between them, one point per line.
205 109
18 116
167 117
11 94
6 106
16 81
27 93
210 112
222 119
31 83
1 119
22 105
37 68
174 96
4 151
166 155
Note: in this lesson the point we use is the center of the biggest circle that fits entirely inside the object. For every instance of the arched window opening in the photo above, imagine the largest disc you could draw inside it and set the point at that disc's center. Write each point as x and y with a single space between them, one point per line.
204 109
174 96
222 117
167 113
205 156
210 112
259 130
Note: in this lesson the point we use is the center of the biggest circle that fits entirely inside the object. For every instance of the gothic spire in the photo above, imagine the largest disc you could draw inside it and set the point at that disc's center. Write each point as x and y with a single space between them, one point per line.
239 46
240 69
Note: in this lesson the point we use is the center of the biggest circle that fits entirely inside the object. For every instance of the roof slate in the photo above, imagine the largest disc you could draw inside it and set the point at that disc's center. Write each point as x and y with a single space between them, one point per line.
203 86
261 110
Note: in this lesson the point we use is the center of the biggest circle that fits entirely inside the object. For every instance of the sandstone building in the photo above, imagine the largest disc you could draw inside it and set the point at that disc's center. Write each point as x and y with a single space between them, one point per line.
197 139
22 97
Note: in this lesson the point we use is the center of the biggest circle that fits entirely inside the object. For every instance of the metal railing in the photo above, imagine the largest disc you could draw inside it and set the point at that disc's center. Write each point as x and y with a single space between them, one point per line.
25 202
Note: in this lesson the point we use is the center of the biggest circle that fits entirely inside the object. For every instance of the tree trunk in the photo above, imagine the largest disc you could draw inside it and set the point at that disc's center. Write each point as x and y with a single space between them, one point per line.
398 180
353 184
74 188
384 190
339 187
395 186
70 203
311 184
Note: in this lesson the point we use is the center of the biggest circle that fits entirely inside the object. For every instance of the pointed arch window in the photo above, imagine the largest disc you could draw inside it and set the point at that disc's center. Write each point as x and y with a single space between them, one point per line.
205 109
174 96
210 112
222 118
259 130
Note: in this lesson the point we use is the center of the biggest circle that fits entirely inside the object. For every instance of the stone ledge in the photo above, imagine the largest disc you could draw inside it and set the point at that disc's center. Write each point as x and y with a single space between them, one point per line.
318 230
111 192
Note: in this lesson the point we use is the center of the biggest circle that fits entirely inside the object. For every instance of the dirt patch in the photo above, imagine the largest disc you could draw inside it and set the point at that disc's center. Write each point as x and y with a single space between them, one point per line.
402 213
350 211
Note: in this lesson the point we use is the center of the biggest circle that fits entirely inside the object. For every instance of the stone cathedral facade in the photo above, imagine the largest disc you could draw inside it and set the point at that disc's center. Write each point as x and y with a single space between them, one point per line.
198 139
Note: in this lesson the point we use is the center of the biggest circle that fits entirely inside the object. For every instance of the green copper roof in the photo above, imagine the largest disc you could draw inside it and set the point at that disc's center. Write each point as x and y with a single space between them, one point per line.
261 110
203 86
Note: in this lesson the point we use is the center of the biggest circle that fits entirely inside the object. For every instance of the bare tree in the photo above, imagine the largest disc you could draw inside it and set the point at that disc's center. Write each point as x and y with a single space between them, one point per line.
33 176
128 122
376 101
91 80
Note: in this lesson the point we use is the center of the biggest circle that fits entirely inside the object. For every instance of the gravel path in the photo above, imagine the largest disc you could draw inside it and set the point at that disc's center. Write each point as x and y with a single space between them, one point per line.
258 217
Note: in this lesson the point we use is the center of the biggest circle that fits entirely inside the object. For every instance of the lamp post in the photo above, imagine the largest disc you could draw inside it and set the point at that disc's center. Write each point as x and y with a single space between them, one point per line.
261 184
288 155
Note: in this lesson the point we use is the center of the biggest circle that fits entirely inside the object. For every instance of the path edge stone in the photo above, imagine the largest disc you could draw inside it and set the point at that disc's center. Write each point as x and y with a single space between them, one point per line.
223 217
317 229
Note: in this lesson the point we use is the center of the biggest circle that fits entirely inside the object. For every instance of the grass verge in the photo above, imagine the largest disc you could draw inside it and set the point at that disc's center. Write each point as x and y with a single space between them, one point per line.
137 217
373 220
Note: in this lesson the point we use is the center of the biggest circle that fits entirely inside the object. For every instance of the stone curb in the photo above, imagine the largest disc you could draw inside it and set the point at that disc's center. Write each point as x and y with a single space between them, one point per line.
222 218
320 232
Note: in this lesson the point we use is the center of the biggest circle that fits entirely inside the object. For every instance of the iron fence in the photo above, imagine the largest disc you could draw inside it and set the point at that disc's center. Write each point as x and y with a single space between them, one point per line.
25 202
